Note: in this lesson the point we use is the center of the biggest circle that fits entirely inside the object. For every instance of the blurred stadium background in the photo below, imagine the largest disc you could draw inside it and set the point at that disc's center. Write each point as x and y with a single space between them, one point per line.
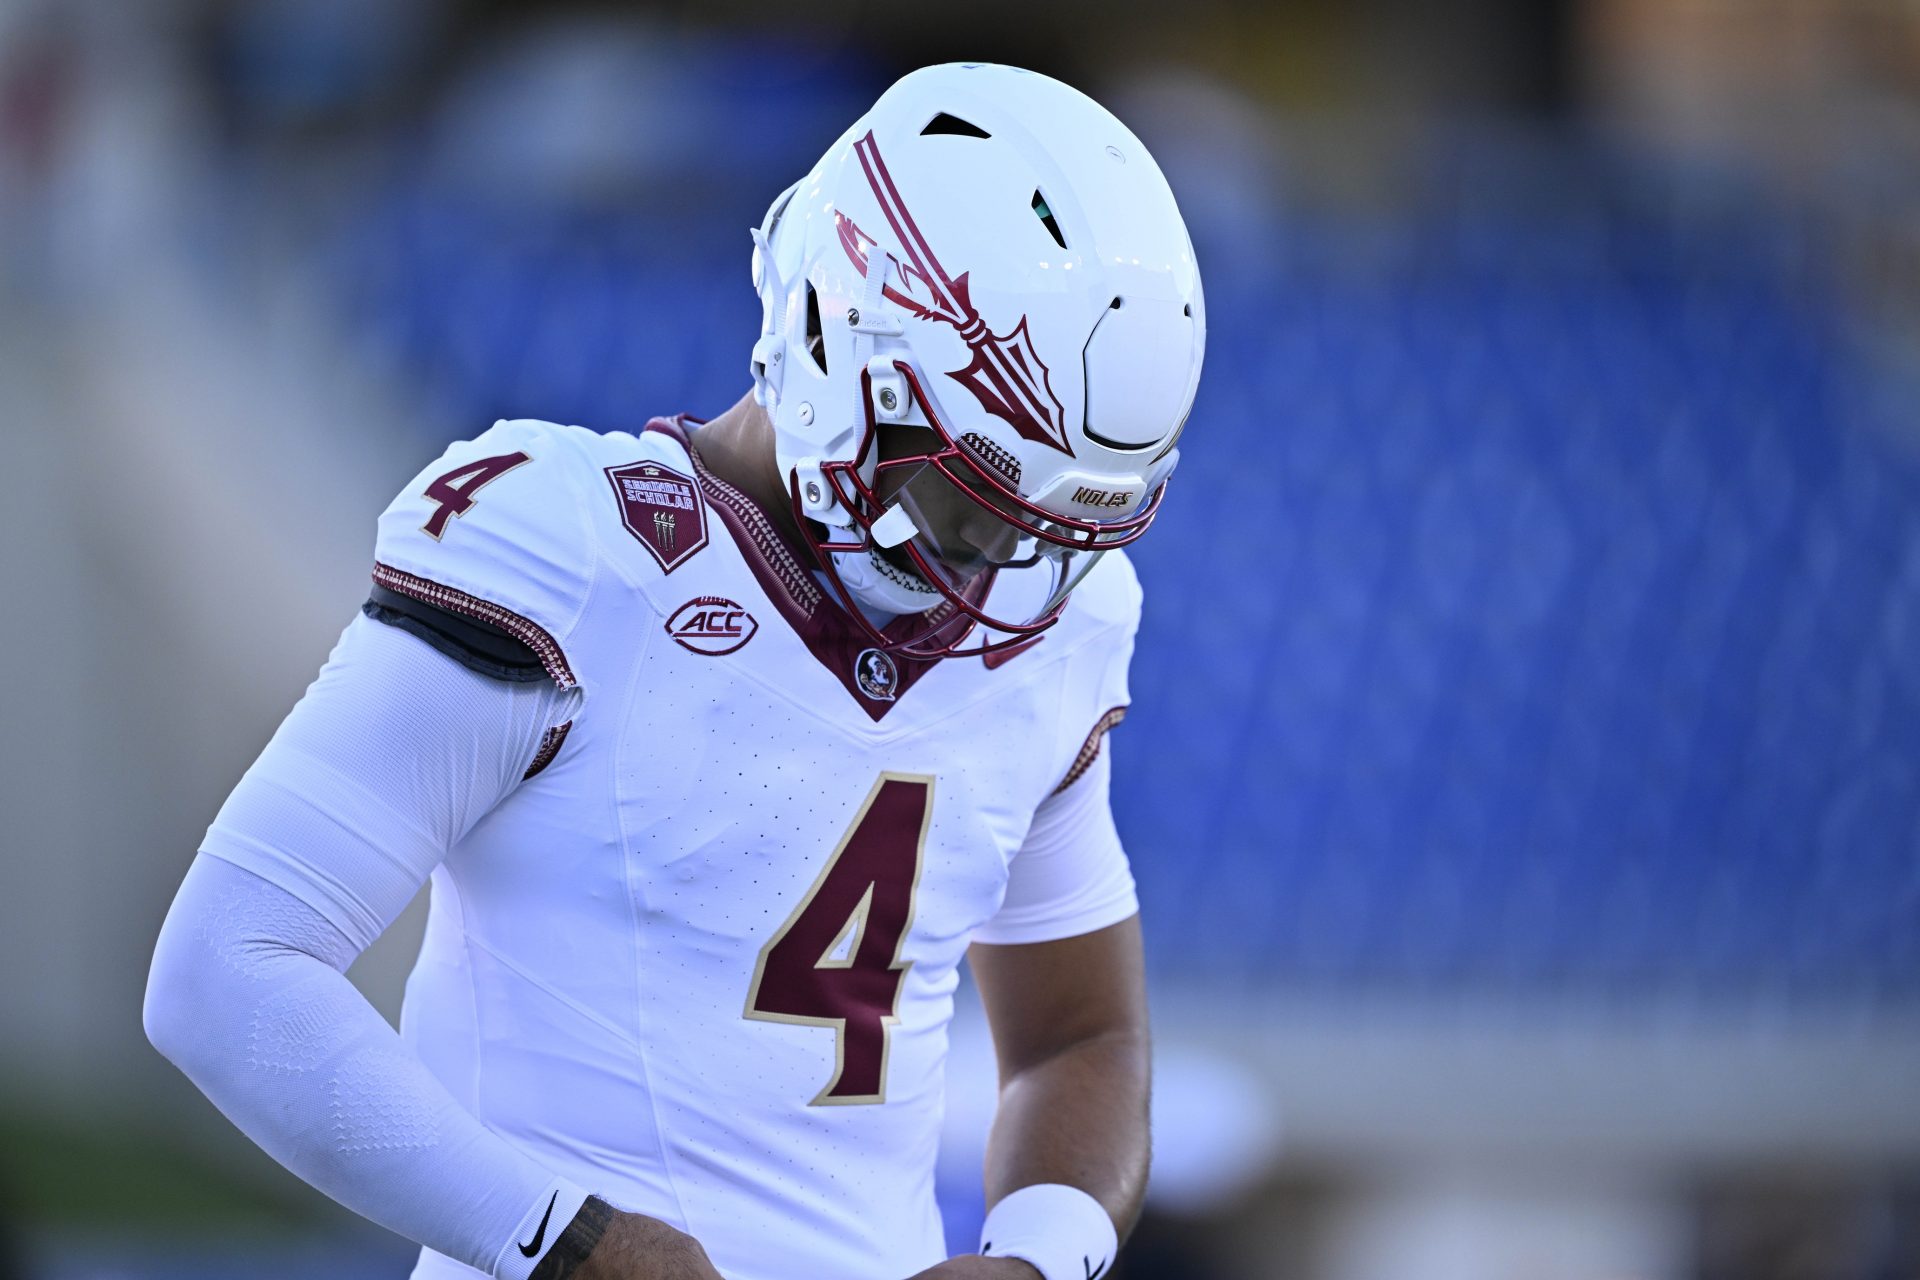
1524 775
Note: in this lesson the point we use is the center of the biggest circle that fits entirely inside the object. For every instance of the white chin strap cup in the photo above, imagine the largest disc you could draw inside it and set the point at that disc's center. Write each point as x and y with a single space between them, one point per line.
894 528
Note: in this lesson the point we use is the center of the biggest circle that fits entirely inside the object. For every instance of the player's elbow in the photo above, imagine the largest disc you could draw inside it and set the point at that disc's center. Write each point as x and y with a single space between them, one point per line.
153 1018
171 1011
161 1014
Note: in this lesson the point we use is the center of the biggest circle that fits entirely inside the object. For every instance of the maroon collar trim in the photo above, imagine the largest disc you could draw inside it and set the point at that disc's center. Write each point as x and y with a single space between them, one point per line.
876 680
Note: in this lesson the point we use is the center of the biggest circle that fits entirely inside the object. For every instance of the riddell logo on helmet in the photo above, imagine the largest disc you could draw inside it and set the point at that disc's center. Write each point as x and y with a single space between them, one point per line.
1102 497
711 625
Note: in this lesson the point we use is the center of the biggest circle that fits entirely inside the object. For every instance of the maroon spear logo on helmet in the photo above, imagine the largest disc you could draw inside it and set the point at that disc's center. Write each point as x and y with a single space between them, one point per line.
1006 375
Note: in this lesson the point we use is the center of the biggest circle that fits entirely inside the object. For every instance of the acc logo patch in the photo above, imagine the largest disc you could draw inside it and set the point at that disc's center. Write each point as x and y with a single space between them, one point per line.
662 508
876 675
712 624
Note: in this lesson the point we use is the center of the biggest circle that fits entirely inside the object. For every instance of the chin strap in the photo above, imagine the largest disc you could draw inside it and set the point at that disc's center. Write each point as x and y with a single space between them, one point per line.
866 322
870 319
878 585
893 528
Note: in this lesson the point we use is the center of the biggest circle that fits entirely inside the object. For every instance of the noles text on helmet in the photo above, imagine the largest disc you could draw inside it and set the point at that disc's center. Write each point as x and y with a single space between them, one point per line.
982 330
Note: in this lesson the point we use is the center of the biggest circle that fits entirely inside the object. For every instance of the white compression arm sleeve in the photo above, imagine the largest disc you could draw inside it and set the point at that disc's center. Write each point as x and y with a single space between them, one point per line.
394 753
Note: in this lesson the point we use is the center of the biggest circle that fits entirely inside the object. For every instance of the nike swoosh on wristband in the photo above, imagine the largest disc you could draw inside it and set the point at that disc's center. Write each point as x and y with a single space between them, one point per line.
528 1250
1091 1273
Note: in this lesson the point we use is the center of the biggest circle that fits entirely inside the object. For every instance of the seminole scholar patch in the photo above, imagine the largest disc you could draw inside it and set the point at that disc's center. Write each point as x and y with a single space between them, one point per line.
662 508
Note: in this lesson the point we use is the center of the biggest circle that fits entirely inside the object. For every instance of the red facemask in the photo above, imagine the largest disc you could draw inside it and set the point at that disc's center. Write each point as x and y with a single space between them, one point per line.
971 521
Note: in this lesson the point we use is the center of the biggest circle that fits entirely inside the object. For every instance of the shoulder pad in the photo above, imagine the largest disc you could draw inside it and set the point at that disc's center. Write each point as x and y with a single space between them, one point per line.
496 529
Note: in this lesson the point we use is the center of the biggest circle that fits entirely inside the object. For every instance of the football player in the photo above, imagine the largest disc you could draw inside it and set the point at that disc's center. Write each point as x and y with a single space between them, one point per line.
723 744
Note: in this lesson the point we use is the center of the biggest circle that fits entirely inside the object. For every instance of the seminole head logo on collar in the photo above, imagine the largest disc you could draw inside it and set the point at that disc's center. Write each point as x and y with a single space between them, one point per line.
1007 375
874 672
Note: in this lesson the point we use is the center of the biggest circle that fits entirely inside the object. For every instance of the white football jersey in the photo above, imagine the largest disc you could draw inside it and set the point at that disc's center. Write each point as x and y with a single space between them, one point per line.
702 960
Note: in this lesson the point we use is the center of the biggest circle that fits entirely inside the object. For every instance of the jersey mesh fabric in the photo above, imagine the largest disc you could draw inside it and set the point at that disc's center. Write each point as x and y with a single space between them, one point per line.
394 752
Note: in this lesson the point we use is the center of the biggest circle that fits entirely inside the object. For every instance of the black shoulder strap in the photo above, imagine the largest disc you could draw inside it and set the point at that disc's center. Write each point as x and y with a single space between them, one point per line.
478 646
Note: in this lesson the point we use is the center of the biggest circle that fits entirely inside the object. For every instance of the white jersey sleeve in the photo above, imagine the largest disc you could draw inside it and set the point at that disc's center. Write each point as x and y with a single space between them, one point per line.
392 755
1071 874
497 529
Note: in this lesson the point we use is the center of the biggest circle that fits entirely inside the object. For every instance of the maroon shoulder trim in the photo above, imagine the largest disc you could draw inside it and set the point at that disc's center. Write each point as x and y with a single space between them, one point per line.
525 630
550 745
1090 749
750 525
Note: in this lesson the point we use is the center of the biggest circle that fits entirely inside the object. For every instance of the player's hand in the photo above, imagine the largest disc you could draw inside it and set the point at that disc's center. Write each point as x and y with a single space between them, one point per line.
974 1267
636 1247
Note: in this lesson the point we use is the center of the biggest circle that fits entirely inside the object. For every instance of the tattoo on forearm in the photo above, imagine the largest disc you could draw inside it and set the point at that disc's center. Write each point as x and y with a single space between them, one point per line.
577 1242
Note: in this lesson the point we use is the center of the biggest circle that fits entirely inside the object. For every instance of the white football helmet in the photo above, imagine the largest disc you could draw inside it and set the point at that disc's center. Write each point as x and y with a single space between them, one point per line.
990 255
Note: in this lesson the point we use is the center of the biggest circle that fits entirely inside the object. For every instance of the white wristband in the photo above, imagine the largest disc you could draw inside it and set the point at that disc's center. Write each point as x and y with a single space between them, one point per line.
1061 1230
545 1219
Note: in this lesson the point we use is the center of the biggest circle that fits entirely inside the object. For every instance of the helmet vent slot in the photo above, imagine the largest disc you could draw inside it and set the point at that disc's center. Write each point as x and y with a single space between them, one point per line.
816 337
1046 217
944 123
